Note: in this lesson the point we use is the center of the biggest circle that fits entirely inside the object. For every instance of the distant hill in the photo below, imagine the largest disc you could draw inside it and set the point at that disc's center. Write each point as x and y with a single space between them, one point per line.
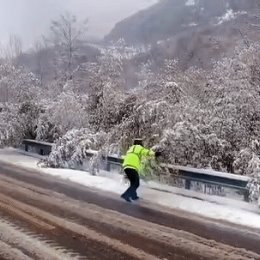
192 30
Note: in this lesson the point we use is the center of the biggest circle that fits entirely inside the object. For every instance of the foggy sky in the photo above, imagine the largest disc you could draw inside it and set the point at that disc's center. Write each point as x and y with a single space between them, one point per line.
31 18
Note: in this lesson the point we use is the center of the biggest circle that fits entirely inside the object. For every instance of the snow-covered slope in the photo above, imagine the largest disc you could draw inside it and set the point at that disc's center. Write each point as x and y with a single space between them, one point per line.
170 17
192 30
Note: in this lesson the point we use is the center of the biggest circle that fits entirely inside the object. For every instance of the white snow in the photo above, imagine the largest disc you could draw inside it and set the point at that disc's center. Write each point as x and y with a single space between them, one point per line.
214 207
190 3
214 173
160 42
229 15
192 24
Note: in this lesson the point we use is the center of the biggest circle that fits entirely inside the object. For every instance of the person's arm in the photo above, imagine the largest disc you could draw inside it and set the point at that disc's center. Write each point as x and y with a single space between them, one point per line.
150 153
147 152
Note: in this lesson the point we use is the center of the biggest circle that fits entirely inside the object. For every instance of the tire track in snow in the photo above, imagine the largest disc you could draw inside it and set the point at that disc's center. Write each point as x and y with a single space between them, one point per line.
14 237
75 228
7 252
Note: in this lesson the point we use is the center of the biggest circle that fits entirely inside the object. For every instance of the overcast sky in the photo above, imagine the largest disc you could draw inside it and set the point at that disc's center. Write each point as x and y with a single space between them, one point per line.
31 18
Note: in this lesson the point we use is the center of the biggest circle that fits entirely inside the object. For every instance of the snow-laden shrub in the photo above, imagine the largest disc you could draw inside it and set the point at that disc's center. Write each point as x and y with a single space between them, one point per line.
254 190
19 105
146 120
17 86
253 171
71 149
151 169
9 127
46 130
110 106
68 112
18 122
248 163
188 144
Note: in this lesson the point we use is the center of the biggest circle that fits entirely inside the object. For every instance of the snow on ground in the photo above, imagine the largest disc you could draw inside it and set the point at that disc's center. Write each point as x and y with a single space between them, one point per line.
214 207
214 173
229 15
190 3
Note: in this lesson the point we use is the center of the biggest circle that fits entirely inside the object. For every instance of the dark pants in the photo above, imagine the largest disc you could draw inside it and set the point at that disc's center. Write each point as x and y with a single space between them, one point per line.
134 179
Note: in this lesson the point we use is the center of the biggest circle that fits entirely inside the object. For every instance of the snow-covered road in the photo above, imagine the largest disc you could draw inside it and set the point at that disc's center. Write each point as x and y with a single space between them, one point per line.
45 217
219 208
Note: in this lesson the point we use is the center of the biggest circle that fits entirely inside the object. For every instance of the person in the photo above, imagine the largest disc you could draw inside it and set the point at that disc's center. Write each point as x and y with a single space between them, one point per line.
132 165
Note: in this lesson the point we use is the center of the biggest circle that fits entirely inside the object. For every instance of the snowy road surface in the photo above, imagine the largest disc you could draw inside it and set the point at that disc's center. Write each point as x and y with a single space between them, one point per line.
219 208
43 217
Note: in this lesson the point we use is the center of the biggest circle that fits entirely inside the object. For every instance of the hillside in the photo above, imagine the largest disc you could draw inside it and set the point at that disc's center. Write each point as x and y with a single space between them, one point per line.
193 30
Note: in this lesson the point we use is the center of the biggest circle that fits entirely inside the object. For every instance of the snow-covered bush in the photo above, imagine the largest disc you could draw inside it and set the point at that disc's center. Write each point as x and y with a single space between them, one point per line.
19 96
254 171
18 122
16 85
112 108
10 133
67 112
46 130
71 149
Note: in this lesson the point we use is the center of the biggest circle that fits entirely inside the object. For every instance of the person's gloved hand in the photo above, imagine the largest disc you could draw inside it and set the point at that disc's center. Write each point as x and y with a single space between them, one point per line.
158 154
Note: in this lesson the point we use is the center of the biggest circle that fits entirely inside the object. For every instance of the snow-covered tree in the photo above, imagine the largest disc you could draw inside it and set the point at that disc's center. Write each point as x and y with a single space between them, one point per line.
16 85
68 112
19 96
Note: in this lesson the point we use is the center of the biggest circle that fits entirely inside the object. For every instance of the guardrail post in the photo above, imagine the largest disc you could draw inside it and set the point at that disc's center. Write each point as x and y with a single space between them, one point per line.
108 166
246 196
187 184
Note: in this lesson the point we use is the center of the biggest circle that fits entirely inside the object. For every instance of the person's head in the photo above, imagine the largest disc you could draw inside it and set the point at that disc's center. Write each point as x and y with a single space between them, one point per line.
138 141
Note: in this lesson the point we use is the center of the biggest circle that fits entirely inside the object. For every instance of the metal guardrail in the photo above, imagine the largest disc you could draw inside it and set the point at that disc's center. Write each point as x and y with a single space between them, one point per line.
210 178
188 175
41 148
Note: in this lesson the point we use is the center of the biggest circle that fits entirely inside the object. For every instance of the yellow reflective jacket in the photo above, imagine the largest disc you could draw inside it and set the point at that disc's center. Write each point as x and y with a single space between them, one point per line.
133 157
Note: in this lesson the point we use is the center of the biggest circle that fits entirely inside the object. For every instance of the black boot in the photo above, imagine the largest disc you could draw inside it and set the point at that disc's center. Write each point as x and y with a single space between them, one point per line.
126 198
135 198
